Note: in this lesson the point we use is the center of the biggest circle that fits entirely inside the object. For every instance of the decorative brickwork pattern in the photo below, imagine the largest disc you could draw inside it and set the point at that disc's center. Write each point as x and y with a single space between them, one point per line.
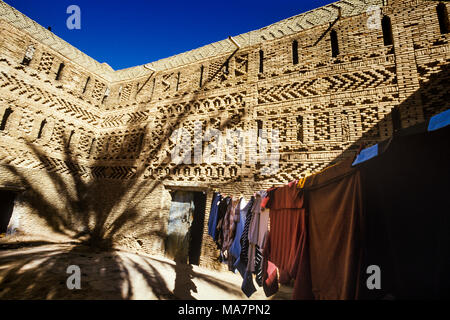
115 129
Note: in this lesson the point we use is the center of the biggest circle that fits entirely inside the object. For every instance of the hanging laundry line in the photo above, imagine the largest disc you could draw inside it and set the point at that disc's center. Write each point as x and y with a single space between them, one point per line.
327 229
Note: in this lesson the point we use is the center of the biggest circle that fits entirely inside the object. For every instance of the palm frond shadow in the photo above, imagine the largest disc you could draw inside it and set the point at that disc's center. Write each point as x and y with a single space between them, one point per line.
92 220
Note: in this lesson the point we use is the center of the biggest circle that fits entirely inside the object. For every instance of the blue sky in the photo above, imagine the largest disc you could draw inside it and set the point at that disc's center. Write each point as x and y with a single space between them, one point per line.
129 33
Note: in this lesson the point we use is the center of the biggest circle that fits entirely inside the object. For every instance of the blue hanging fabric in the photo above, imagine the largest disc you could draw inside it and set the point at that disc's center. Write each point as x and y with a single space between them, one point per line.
366 154
439 121
212 221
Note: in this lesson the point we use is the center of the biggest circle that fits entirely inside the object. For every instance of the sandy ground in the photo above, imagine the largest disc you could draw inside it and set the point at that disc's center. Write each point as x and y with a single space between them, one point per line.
39 271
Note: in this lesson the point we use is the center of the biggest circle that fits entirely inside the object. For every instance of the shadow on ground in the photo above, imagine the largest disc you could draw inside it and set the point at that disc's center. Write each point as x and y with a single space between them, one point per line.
40 272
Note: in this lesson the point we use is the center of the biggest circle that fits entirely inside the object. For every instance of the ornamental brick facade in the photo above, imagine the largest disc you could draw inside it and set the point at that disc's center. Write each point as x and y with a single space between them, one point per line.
86 149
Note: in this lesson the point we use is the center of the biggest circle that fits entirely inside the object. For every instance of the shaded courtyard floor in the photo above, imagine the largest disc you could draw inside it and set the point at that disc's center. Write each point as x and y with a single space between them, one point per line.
39 271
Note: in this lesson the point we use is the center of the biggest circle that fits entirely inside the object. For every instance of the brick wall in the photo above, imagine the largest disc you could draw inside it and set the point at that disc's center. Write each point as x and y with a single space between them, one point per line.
107 138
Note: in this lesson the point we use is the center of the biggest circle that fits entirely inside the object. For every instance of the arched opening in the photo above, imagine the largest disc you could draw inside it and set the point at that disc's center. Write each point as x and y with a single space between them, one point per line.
178 81
442 14
91 148
259 133
140 143
106 95
86 84
28 55
120 92
295 52
334 44
387 31
300 128
226 68
201 76
41 128
396 120
60 69
5 117
153 87
70 138
261 61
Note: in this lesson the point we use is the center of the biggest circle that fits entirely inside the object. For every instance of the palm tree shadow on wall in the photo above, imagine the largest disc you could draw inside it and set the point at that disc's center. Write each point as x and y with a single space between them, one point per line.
93 219
92 216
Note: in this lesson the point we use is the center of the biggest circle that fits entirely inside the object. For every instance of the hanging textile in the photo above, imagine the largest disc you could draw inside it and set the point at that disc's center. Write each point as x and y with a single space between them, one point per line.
229 226
258 268
256 229
287 231
212 220
221 212
244 235
240 220
236 248
229 230
407 221
270 278
247 285
334 204
256 235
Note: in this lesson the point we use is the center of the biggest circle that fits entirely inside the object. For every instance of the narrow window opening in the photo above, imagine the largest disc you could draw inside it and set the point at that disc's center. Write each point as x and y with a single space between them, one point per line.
259 124
261 61
178 81
106 149
140 142
295 52
300 128
91 147
334 44
41 129
201 76
5 117
70 138
106 95
120 91
137 90
60 69
153 88
86 84
26 61
442 14
396 121
226 67
28 55
387 31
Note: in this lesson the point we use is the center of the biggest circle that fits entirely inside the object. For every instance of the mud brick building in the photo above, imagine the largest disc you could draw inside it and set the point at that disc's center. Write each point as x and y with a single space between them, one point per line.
85 149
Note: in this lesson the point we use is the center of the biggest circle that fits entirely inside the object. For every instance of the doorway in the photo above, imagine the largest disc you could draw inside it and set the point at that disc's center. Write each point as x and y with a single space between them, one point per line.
6 209
185 228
